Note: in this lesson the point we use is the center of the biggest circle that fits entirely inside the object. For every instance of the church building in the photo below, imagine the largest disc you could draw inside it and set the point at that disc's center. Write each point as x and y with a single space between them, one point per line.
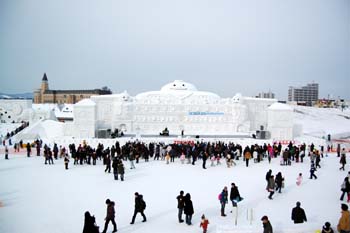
45 95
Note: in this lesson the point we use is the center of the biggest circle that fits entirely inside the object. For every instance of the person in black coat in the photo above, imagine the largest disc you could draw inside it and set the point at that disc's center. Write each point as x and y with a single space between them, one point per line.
180 205
345 188
234 195
343 160
267 176
312 170
266 224
279 180
188 209
327 228
115 167
140 206
108 164
89 224
28 149
298 214
121 169
110 216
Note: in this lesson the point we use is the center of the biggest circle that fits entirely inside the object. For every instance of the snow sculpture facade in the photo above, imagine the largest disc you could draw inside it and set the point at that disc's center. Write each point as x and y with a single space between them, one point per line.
280 121
85 119
178 106
15 110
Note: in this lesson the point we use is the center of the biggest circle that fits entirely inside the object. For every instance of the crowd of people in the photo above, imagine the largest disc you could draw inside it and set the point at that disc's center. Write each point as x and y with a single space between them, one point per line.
115 156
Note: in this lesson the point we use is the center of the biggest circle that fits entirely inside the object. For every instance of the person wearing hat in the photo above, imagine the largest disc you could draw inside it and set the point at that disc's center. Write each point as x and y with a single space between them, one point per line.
327 228
298 214
344 221
266 224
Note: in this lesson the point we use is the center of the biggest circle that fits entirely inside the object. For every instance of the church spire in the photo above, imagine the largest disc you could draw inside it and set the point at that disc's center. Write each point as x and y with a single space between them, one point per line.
44 77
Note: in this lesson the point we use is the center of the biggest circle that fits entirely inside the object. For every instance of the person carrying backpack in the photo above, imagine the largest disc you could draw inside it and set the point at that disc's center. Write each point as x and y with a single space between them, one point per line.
140 206
223 200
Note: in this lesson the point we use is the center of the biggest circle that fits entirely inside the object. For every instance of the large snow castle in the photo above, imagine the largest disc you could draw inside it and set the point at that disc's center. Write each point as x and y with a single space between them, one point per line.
181 108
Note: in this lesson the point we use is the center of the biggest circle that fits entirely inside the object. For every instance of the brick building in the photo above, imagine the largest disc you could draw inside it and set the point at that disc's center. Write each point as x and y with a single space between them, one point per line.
45 95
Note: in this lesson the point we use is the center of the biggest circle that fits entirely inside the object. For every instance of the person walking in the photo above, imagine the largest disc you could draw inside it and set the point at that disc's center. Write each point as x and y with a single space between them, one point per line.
66 161
115 167
266 225
343 160
271 186
268 175
223 201
28 149
204 223
140 206
344 221
108 164
110 216
121 169
188 209
180 205
298 214
279 182
6 152
345 188
312 170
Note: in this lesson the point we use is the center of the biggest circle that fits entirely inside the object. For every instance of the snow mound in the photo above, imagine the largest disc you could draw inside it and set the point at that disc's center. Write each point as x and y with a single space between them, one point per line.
279 106
320 122
85 102
45 130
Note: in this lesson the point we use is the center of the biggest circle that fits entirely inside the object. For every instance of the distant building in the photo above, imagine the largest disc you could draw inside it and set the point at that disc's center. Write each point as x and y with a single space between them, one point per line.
45 95
306 95
266 95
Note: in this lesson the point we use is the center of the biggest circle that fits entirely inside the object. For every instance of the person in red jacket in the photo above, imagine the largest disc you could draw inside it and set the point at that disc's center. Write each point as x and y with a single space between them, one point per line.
204 224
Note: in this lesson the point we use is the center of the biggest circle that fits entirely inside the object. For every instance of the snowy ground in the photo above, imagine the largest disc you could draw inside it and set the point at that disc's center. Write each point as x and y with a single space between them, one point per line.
46 198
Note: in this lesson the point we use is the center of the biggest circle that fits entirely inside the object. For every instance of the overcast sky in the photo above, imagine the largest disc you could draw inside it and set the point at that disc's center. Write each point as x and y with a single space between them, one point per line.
222 46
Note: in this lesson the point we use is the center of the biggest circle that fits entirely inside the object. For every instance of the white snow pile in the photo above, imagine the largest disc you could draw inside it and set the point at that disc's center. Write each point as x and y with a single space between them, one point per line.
47 130
319 122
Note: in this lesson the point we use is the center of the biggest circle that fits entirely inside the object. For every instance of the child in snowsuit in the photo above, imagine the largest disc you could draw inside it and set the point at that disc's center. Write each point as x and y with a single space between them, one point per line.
299 179
167 158
204 224
327 228
182 158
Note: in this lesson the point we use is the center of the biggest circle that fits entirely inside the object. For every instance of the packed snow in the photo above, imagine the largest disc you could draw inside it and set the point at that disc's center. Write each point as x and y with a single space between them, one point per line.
46 198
